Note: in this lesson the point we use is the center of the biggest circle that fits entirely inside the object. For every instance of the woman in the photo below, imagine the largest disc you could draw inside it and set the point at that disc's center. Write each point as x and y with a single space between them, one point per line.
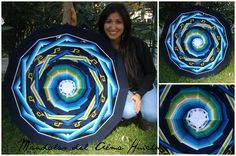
115 24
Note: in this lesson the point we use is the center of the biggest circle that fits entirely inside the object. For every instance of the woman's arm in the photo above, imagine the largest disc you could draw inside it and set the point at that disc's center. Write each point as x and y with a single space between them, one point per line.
145 58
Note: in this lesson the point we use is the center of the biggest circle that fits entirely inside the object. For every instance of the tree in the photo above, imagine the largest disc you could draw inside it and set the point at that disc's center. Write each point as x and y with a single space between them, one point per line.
166 9
26 17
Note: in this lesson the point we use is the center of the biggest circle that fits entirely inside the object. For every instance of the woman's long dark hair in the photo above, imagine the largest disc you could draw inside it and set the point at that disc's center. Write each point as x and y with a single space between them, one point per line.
126 48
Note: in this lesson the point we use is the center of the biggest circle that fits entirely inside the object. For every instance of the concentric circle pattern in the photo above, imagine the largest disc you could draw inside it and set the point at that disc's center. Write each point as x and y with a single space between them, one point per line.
196 119
196 42
65 87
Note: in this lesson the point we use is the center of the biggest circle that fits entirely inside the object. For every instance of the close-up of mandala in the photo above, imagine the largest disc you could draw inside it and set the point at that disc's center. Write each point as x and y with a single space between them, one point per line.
196 119
197 42
65 88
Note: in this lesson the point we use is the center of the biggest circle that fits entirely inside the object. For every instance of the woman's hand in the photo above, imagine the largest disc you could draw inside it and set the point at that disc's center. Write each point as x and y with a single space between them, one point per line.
137 101
69 14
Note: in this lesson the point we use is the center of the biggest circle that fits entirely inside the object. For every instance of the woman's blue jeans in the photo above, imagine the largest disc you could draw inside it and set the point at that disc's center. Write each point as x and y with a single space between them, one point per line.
148 106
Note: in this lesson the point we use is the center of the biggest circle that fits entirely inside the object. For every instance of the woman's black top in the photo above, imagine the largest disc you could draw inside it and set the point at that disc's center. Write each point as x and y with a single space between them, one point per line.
146 69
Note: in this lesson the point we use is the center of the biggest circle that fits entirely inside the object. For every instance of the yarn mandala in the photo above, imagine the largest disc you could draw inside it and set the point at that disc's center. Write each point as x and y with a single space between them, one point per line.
65 89
196 119
197 42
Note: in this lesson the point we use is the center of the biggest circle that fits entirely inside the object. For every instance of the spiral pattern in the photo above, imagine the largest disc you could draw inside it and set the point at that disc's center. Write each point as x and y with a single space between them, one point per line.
65 87
196 43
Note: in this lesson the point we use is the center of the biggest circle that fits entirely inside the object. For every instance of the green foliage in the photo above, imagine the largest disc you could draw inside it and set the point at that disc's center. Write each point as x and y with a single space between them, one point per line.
26 17
88 13
225 8
166 9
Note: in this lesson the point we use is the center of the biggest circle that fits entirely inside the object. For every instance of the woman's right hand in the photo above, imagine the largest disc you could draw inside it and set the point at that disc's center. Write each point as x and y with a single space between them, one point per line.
136 98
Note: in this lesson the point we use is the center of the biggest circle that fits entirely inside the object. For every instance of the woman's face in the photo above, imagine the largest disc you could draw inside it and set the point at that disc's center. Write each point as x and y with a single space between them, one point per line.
114 26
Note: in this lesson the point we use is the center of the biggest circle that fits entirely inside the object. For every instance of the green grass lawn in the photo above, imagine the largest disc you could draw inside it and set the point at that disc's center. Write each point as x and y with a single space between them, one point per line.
121 137
168 75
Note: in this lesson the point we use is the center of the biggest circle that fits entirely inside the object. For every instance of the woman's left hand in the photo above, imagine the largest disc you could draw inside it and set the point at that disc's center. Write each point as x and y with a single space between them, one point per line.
137 101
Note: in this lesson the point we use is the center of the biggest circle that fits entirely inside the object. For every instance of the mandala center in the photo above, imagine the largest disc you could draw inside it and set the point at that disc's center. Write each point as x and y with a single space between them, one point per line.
197 42
67 88
197 118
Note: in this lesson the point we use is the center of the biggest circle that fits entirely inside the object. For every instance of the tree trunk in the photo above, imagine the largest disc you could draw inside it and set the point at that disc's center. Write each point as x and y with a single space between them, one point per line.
69 14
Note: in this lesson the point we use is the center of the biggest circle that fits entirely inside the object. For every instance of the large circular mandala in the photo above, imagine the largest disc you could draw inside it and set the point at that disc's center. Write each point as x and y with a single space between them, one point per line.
196 119
197 42
65 87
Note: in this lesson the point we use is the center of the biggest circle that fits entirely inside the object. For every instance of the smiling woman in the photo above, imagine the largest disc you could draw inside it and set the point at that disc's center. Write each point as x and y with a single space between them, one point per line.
59 82
115 25
114 28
